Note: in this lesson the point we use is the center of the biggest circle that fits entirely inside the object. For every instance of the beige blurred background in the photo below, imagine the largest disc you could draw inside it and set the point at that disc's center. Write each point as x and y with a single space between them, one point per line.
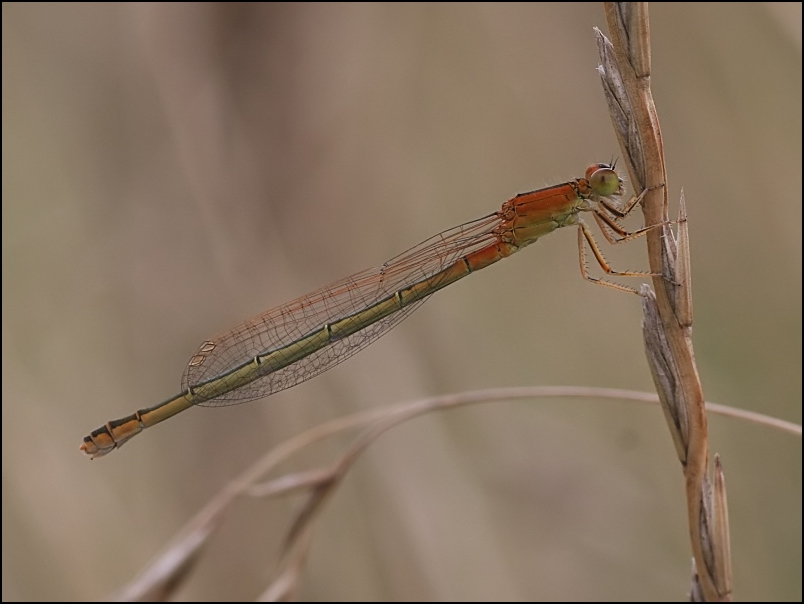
170 170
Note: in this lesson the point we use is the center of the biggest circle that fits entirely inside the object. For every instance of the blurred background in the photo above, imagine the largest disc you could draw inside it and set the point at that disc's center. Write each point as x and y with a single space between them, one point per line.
169 170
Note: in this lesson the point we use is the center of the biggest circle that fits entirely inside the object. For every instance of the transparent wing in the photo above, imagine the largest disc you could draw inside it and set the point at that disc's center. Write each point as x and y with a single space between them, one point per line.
283 325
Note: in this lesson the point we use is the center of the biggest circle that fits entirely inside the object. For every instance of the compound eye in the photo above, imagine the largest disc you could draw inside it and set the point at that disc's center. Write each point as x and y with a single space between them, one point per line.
604 181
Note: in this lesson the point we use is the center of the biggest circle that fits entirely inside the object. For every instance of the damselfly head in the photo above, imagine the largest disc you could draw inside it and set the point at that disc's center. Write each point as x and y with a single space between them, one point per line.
603 180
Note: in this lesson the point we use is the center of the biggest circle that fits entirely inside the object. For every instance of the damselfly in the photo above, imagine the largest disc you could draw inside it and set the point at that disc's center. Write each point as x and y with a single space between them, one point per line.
289 344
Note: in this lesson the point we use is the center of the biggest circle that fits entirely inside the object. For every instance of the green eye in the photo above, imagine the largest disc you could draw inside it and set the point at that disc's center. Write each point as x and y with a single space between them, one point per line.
605 182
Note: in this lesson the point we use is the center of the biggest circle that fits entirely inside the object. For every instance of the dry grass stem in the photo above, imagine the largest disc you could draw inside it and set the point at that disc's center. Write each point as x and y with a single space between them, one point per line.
168 570
626 72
